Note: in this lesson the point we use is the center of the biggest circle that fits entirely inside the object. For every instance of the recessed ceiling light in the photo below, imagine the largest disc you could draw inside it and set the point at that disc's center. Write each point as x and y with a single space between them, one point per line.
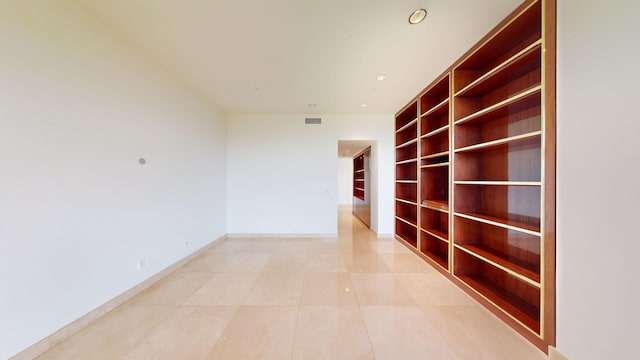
381 77
364 105
417 16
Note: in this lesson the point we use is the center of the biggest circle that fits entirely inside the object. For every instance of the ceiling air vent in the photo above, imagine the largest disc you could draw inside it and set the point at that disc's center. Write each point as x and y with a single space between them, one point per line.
312 121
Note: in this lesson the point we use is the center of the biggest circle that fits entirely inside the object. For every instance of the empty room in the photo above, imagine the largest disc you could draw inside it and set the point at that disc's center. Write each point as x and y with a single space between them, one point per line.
219 179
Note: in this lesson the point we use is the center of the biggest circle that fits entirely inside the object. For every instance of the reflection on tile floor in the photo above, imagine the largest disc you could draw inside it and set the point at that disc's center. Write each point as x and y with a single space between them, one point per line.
354 297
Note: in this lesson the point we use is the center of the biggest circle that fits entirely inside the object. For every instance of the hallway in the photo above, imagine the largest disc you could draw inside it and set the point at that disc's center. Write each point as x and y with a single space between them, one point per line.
354 297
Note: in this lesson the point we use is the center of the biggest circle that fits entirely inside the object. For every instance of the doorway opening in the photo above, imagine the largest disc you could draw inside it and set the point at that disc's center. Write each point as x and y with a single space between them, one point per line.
355 179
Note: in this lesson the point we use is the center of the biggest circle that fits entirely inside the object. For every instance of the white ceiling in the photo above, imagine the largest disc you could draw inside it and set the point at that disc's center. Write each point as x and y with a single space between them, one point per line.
279 56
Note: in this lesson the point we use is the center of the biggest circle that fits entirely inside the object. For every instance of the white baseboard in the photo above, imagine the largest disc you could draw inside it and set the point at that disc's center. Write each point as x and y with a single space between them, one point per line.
65 332
281 236
554 354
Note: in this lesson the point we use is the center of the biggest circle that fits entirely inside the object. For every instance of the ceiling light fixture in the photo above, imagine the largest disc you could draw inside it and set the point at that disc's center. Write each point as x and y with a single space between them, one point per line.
381 77
364 105
417 16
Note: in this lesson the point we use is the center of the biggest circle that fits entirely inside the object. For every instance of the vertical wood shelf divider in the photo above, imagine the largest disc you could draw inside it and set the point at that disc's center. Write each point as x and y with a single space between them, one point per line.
475 172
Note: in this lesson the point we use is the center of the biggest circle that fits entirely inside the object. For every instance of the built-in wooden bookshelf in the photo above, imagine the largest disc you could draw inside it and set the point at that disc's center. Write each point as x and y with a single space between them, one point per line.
362 186
406 204
475 171
435 140
358 177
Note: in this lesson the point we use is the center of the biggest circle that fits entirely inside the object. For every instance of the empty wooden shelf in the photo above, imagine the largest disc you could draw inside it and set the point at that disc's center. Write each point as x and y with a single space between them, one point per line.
475 172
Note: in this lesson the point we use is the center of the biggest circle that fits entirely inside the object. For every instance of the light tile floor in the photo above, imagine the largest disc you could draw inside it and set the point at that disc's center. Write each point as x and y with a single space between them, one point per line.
354 297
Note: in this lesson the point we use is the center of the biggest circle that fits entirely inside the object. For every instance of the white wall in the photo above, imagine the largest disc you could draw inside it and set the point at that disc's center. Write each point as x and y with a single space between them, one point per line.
598 178
282 173
345 181
77 109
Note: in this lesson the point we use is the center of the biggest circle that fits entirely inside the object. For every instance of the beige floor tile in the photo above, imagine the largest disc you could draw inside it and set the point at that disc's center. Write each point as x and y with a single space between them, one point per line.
325 263
404 333
214 263
275 289
294 246
472 333
328 289
380 289
324 246
190 333
330 332
406 263
224 289
434 289
262 246
113 335
172 290
389 246
358 263
358 296
232 246
287 263
258 332
357 247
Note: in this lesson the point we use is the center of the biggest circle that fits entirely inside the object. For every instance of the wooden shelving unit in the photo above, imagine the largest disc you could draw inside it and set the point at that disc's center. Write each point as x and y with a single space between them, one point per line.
362 186
406 221
478 162
358 177
435 141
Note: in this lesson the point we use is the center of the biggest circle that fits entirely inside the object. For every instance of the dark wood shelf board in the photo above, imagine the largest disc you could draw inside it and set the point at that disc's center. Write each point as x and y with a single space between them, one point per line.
525 313
408 202
407 125
408 221
508 263
497 183
436 204
524 140
413 243
435 132
437 258
442 236
407 143
436 155
516 103
509 224
408 161
438 109
501 73
435 165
